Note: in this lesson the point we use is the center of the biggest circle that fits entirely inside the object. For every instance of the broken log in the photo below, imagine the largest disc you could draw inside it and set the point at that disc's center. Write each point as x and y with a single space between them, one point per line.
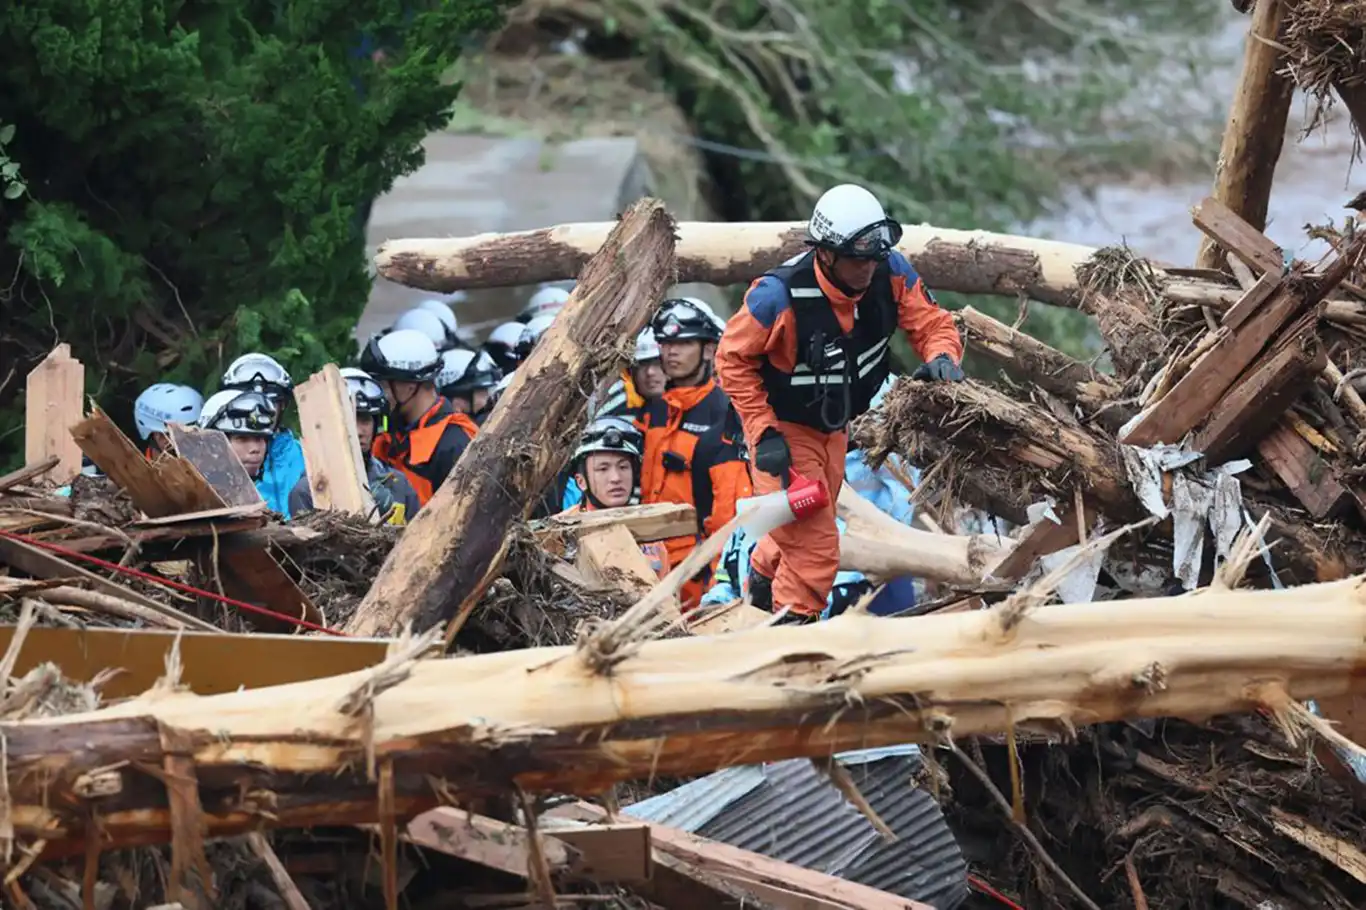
1017 454
54 400
879 546
1077 383
656 521
455 546
1256 126
557 720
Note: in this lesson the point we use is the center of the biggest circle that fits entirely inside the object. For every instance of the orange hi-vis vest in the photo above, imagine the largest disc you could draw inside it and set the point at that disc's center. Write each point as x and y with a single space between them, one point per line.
413 452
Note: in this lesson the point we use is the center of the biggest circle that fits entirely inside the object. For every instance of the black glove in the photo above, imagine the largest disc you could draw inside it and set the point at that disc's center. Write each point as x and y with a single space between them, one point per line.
772 456
940 369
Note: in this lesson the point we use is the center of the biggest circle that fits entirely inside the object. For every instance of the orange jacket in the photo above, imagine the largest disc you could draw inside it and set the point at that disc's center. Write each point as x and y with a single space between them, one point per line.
426 452
691 458
654 551
764 330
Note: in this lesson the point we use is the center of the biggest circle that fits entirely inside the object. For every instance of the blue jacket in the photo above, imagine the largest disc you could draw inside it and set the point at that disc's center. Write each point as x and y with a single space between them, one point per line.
281 472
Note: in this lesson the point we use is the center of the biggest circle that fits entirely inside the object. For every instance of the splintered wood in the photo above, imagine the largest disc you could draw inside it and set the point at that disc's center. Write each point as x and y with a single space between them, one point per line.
549 722
54 400
332 455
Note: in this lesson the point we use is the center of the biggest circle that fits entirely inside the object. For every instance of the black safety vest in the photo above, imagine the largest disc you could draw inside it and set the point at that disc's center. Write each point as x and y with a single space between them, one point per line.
836 375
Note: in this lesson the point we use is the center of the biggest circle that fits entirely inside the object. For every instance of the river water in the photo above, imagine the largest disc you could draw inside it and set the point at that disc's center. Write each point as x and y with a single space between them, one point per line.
1153 217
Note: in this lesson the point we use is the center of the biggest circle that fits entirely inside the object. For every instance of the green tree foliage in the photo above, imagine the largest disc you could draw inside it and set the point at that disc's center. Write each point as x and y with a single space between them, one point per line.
180 182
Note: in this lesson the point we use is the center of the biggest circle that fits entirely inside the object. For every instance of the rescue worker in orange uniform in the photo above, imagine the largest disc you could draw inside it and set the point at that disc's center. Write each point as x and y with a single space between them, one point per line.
606 466
692 451
425 436
804 356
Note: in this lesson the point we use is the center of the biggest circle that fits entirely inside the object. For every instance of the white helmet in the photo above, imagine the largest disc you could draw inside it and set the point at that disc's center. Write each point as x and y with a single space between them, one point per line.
851 222
365 392
239 413
405 355
465 371
647 348
609 434
258 372
531 333
507 334
441 310
706 308
165 403
547 301
424 321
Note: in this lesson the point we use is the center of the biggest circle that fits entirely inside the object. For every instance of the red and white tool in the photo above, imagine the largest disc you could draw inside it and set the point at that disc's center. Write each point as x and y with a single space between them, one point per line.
802 498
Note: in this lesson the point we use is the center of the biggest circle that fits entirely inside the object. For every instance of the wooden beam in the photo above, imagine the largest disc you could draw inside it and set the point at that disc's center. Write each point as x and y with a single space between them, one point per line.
1256 127
449 554
1252 300
212 456
611 558
332 455
610 852
1263 393
1308 477
658 521
54 400
1042 539
483 840
212 662
1233 233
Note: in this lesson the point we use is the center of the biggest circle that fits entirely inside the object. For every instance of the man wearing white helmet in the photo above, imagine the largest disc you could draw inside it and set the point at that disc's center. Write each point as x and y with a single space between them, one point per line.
466 380
248 420
639 385
531 333
159 405
805 355
501 345
394 496
548 300
606 466
426 436
428 323
442 311
261 373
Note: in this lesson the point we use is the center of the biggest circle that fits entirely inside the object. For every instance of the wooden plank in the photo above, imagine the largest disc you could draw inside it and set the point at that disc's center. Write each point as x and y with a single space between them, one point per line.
617 852
1253 298
172 486
54 400
332 456
611 557
1225 227
28 472
40 563
483 840
1261 395
212 662
786 885
255 510
1195 395
212 456
1041 540
172 533
1309 478
659 521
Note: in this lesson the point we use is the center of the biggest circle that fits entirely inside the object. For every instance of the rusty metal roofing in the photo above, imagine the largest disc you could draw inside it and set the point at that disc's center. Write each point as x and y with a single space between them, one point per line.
790 811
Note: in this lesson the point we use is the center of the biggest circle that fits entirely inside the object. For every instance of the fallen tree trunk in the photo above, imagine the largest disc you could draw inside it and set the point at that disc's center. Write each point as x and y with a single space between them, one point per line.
1017 454
455 546
1256 127
882 548
578 719
1027 358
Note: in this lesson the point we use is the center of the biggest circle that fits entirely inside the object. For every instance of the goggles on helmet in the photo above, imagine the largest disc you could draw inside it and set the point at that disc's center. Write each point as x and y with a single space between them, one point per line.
874 242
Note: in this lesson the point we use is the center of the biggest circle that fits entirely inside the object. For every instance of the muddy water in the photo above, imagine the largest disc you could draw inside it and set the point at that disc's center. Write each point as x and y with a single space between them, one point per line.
1312 183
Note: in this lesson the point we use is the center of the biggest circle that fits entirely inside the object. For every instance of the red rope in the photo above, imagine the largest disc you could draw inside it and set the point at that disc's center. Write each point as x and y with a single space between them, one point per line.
981 886
175 585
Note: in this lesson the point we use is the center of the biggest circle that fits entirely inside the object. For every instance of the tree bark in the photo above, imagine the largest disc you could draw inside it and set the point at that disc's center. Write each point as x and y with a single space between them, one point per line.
1354 96
1256 127
970 262
576 719
1018 453
455 546
1048 368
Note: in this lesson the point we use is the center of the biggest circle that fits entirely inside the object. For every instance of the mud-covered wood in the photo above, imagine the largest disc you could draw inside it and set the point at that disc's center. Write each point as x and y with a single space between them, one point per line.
1256 126
1019 453
1053 371
455 546
556 720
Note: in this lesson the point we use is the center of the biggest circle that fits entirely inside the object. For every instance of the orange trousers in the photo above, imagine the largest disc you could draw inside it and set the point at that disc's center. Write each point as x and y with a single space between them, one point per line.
803 557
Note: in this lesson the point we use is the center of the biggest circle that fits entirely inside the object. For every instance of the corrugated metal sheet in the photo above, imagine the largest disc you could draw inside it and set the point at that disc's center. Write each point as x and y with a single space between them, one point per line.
789 811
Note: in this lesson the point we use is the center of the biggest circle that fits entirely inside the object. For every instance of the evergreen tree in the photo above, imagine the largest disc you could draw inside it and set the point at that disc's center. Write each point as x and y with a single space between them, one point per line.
185 181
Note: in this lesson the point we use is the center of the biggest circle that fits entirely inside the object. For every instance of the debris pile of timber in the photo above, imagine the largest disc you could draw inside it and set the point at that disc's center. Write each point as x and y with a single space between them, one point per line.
1193 813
